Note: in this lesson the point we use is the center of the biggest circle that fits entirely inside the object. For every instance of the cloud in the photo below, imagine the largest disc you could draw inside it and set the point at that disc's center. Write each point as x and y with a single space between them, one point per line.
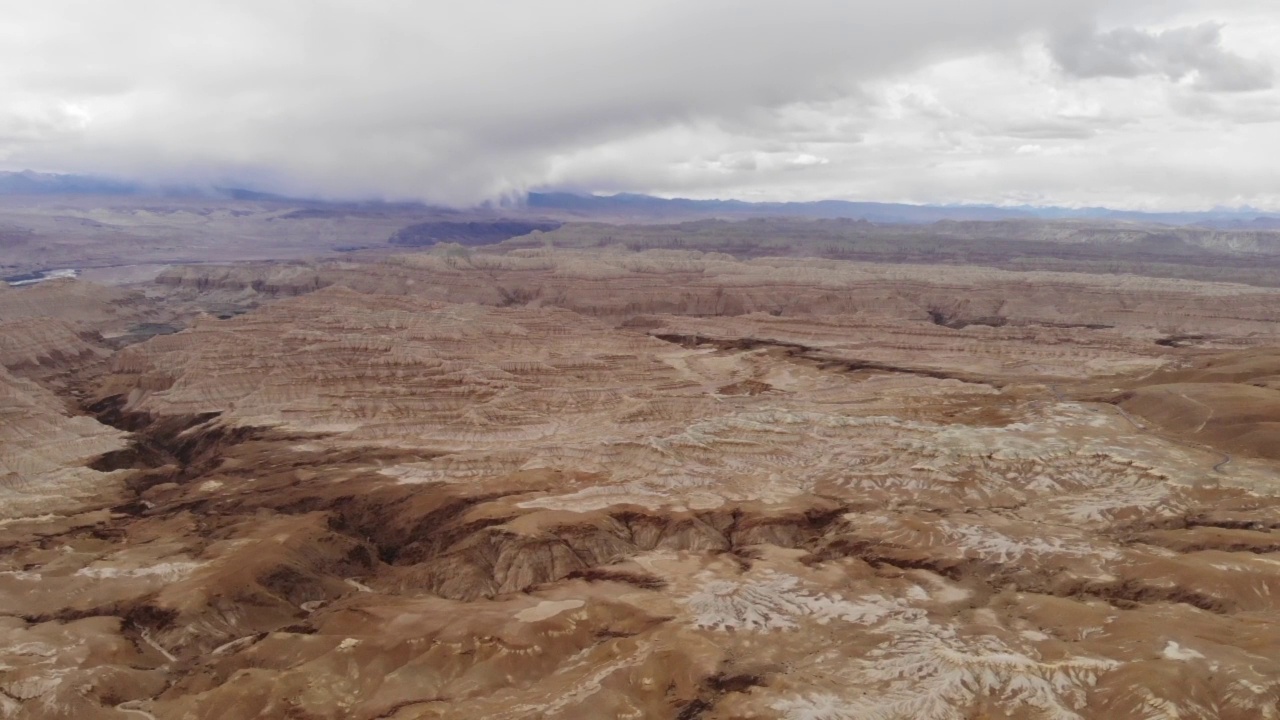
1193 53
452 101
457 103
1053 129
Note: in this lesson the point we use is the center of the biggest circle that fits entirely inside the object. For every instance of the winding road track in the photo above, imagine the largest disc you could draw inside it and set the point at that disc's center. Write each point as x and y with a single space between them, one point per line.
131 707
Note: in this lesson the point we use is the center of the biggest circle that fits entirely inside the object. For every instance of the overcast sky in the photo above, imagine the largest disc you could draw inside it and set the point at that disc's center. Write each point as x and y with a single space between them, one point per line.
1152 104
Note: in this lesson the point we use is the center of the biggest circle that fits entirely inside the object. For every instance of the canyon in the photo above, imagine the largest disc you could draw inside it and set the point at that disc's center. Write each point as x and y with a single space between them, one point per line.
577 474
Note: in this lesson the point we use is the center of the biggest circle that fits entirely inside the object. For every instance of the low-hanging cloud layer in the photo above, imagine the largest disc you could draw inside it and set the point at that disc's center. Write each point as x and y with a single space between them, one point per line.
1159 104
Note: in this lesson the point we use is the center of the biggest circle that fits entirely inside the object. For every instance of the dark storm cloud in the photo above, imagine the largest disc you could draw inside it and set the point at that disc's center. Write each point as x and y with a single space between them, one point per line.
1194 52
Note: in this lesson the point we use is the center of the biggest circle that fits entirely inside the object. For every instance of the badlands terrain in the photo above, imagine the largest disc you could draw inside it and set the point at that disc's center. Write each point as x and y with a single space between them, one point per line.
593 472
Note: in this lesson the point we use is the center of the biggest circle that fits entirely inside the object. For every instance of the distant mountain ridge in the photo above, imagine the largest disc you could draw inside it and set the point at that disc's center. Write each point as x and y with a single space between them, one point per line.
28 182
890 213
633 206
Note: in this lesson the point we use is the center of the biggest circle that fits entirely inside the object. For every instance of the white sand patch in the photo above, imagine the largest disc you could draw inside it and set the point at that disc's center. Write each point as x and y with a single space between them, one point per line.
1174 651
169 572
547 609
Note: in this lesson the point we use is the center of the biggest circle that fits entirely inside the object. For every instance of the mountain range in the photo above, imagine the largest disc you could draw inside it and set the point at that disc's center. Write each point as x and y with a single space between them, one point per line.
639 207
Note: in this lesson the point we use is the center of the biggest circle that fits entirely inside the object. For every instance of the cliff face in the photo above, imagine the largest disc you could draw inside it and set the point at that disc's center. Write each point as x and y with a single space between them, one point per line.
581 485
43 450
